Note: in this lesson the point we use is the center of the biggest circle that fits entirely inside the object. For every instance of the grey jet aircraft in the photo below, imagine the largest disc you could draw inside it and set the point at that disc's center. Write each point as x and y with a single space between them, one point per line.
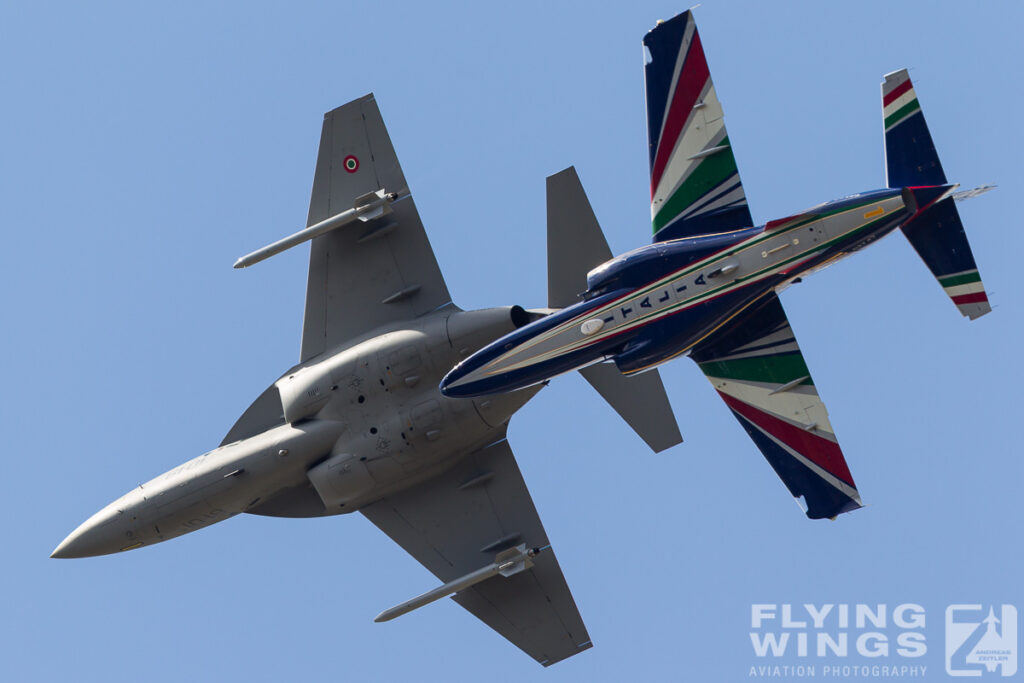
360 425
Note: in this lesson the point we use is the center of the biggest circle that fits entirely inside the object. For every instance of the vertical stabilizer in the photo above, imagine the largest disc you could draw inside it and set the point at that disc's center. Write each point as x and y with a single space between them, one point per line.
910 156
938 237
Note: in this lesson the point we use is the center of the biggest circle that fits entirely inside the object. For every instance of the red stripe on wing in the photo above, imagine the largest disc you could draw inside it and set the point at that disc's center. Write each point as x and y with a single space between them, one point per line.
691 82
822 452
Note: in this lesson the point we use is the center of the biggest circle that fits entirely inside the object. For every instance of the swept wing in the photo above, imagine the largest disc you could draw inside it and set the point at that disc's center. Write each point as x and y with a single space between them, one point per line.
368 274
695 185
459 521
755 364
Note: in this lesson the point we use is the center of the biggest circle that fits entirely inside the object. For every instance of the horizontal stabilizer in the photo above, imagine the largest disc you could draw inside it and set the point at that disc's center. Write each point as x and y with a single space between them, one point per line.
938 237
640 400
576 245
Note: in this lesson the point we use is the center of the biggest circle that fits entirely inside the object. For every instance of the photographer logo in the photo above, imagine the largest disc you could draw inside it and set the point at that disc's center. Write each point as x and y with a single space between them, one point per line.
981 640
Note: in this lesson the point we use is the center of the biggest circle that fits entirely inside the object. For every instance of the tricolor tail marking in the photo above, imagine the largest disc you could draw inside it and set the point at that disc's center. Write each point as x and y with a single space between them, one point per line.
899 103
965 287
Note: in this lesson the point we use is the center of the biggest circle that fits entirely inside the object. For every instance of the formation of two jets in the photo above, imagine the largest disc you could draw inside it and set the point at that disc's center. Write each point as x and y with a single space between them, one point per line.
375 419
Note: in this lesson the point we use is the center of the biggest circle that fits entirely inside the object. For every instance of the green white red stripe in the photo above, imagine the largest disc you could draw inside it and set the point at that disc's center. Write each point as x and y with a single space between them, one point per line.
767 384
899 102
965 289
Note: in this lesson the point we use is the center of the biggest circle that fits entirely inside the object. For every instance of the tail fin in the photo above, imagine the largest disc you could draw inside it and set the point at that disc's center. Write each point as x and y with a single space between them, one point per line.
910 156
935 231
575 246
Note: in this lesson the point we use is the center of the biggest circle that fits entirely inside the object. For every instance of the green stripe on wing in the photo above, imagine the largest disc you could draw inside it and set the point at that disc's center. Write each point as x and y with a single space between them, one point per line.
709 173
781 369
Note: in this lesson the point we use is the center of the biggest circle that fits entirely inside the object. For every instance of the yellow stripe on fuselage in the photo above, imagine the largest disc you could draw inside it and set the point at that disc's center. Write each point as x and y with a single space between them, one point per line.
671 278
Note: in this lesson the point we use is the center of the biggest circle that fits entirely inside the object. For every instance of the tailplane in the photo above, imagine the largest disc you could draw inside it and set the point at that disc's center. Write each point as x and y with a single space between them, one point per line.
935 231
575 246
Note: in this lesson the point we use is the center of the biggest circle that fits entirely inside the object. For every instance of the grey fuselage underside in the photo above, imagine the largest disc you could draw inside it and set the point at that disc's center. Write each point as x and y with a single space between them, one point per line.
363 420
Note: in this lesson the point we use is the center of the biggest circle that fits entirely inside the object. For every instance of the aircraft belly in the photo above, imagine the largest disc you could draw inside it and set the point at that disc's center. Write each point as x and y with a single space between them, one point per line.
398 429
674 335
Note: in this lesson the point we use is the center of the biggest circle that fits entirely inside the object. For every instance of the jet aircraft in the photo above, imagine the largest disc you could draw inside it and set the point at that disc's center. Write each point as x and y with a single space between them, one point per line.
708 285
360 425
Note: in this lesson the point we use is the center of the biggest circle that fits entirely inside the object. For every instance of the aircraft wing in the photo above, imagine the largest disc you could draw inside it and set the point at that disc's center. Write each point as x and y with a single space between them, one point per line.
755 364
369 273
695 185
457 522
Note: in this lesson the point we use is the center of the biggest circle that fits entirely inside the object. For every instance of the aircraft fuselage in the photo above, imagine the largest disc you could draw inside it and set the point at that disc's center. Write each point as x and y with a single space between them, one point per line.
353 425
659 301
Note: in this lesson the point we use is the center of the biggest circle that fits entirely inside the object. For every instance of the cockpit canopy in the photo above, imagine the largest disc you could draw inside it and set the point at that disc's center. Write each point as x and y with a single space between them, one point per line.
643 265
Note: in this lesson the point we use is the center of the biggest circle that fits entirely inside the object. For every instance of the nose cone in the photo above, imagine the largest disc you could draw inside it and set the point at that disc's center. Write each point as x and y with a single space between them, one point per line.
452 384
102 534
479 375
470 378
531 354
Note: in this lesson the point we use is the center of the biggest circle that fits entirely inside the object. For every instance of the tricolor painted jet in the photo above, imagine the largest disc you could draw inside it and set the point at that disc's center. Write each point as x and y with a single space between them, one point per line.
359 423
708 285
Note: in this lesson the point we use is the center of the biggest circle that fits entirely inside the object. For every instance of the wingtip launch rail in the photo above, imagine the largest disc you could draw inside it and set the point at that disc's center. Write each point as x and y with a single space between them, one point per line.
367 207
507 563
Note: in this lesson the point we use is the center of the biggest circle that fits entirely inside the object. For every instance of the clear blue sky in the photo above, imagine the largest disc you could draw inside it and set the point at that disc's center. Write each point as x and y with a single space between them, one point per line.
145 147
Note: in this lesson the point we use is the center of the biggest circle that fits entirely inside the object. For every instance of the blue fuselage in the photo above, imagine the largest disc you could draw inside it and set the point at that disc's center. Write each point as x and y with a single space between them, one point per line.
657 302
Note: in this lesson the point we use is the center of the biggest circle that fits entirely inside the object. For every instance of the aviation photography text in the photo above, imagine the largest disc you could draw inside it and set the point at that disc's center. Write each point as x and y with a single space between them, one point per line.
838 640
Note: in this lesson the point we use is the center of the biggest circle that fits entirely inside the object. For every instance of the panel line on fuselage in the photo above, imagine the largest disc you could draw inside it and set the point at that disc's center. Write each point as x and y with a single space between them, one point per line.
694 300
